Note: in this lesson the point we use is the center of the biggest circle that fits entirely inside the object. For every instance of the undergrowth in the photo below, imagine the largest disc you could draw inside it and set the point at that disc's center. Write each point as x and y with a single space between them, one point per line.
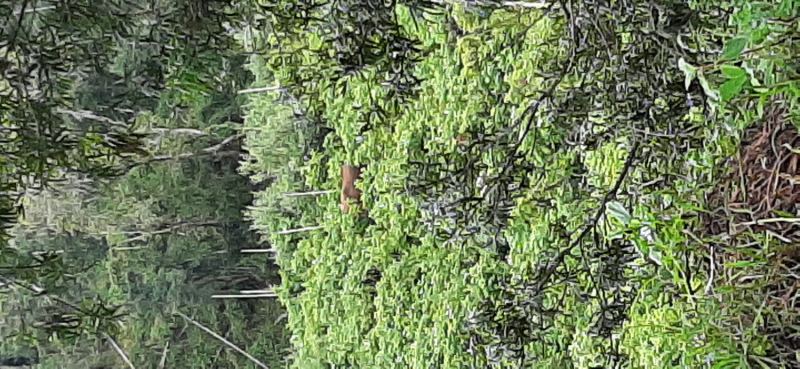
539 198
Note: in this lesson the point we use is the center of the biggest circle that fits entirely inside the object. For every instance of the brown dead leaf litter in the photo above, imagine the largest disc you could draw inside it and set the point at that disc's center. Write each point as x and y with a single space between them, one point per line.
762 191
760 197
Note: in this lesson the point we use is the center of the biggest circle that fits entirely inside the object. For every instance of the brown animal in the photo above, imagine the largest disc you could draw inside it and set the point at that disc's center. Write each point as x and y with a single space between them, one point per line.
349 191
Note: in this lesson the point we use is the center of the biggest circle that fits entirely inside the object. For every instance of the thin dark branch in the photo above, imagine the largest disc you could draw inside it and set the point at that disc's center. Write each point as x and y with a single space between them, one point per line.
611 194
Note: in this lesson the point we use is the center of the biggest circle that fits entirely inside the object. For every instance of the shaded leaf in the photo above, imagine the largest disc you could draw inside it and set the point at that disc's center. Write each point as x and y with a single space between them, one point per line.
710 92
618 211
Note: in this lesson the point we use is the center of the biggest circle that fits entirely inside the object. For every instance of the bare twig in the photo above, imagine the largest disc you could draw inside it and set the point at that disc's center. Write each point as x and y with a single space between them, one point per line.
180 131
712 271
223 340
529 113
770 220
39 290
298 230
34 10
611 194
163 363
253 292
119 351
248 296
257 251
215 148
260 89
525 4
86 114
310 193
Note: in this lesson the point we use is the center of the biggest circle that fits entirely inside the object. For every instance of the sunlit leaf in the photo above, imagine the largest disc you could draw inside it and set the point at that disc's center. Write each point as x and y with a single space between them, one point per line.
732 87
732 71
734 47
688 70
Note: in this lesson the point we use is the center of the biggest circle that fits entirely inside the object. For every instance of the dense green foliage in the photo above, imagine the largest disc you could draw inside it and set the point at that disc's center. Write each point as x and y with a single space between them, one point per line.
537 200
555 184
121 143
77 74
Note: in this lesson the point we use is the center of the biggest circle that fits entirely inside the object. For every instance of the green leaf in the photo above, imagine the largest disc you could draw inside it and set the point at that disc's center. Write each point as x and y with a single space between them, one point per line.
734 48
732 71
710 92
783 214
751 72
758 36
768 67
744 17
647 234
731 87
740 264
655 256
688 70
618 212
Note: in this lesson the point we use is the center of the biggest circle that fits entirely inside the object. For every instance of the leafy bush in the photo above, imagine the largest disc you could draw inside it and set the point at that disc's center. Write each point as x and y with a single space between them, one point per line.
539 200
